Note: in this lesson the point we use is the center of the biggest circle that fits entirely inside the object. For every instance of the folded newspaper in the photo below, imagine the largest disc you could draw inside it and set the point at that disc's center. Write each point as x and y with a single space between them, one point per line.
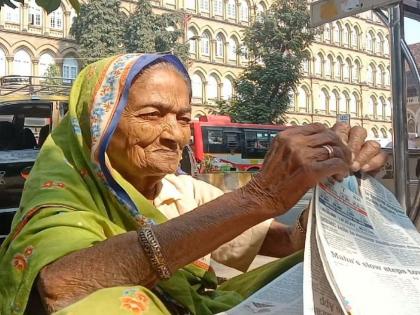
362 257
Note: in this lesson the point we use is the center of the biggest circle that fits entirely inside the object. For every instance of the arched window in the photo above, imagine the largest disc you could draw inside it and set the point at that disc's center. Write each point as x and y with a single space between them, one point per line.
305 66
355 37
380 77
387 77
411 123
384 133
192 41
327 33
44 62
375 132
231 9
227 89
56 19
371 109
347 70
329 66
197 86
70 68
35 14
292 103
12 15
380 44
244 12
370 42
388 109
220 46
190 4
2 63
260 8
380 108
323 101
356 71
342 103
333 102
22 64
346 35
233 48
386 46
337 32
204 5
303 99
212 88
338 68
218 7
371 72
205 44
353 104
319 62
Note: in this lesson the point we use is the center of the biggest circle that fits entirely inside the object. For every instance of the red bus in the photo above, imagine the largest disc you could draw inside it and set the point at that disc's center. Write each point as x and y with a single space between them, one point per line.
220 145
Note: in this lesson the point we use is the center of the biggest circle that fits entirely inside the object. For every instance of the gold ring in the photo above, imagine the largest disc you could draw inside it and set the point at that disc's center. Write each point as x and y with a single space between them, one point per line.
330 150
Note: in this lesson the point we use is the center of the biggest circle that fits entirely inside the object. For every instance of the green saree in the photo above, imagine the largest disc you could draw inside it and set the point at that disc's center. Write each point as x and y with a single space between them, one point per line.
73 199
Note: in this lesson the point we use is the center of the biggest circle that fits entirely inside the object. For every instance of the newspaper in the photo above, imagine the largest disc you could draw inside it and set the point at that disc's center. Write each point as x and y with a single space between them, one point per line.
362 257
369 249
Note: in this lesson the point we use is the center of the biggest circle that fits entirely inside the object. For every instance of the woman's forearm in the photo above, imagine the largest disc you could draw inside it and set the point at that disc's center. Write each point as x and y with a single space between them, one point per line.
121 260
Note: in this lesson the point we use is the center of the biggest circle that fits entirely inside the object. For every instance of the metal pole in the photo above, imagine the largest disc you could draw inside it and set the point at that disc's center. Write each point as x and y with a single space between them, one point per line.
399 119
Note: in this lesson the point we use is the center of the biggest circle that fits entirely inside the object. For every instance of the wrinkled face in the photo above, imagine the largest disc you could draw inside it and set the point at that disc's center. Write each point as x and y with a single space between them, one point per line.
154 127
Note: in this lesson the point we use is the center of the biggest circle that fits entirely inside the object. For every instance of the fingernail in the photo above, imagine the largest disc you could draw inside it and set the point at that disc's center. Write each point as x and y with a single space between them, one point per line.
355 166
365 167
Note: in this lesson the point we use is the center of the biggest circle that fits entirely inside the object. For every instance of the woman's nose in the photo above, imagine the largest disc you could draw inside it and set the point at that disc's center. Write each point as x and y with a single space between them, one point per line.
172 132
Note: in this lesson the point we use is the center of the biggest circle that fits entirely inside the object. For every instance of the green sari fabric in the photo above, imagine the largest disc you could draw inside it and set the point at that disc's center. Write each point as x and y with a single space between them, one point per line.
73 199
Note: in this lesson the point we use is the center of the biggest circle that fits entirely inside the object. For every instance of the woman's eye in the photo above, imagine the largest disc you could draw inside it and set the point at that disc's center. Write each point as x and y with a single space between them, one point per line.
150 116
184 120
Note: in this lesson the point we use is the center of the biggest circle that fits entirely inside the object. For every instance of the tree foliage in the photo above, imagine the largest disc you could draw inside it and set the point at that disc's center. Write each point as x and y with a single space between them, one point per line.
277 42
47 5
99 29
149 32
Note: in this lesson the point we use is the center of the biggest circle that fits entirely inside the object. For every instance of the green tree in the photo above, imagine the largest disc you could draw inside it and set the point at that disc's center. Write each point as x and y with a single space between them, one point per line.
277 42
149 32
99 29
53 78
48 5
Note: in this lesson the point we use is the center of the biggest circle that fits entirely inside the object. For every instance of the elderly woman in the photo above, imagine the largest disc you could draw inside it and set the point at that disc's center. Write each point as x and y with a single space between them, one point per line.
104 227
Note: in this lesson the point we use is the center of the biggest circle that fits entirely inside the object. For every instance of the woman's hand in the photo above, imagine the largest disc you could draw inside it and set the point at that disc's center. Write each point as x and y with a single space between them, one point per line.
297 161
367 156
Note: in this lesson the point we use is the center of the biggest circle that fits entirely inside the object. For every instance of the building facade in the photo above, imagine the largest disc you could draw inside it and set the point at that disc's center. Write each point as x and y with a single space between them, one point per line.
348 71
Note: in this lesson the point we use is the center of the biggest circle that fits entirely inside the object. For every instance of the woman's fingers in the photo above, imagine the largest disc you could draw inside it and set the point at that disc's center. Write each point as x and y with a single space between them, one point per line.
376 162
357 137
342 131
368 151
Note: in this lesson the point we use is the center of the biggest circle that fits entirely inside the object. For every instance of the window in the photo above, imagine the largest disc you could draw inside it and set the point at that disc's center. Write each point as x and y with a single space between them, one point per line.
212 88
233 47
346 70
338 68
70 68
197 86
257 142
205 44
191 4
303 99
215 136
371 109
353 104
218 7
22 64
56 19
333 102
192 41
327 33
388 109
220 45
13 15
386 46
323 101
375 133
380 44
387 77
305 66
346 35
44 62
260 9
291 100
204 5
231 9
329 67
370 42
342 103
371 74
319 60
2 63
380 76
356 71
381 107
244 12
355 37
35 14
227 89
336 33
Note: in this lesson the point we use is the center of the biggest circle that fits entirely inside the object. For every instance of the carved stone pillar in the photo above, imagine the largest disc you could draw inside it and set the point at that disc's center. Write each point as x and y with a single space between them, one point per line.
9 66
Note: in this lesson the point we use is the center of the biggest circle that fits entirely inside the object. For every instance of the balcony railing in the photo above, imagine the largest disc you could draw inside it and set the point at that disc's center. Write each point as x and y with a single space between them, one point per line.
34 85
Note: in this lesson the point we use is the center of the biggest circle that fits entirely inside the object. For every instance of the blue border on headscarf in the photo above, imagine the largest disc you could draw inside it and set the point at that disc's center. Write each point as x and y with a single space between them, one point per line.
142 63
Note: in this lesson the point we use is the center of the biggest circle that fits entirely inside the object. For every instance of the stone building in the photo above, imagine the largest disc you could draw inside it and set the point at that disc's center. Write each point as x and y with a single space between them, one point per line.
348 71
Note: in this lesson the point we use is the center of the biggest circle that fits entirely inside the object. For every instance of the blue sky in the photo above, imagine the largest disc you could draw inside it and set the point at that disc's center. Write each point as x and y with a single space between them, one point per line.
412 31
